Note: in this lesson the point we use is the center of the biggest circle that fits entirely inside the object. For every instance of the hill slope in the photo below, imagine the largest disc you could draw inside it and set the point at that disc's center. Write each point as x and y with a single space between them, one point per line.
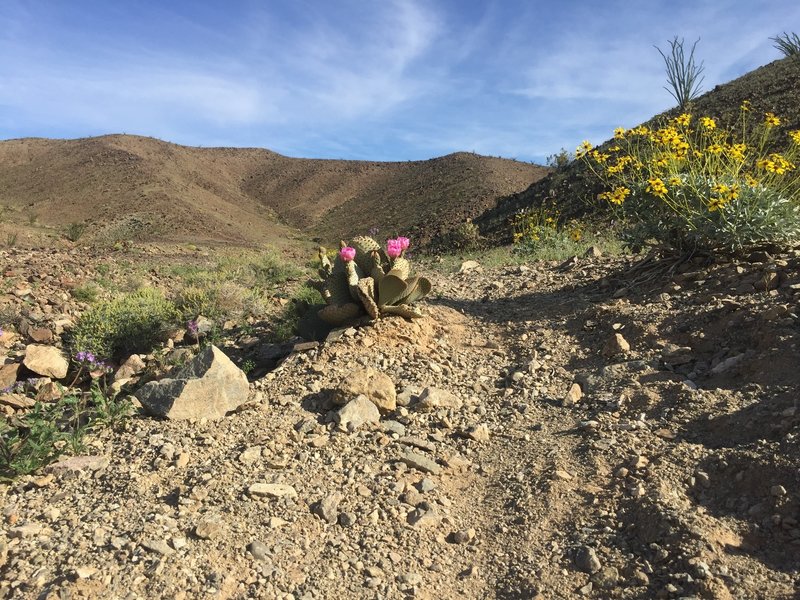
774 87
136 187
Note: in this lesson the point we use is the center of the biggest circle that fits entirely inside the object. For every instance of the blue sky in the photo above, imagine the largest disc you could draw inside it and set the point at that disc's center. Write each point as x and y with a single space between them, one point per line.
376 80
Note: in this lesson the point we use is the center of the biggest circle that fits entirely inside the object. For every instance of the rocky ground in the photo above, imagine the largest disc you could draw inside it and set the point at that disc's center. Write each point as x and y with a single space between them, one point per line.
546 431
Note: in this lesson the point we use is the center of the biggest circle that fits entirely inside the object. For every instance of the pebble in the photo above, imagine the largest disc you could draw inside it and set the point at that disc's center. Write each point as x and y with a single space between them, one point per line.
272 490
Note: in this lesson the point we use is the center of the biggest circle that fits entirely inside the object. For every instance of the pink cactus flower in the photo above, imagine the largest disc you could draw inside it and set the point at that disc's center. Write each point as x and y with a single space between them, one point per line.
404 242
347 253
393 248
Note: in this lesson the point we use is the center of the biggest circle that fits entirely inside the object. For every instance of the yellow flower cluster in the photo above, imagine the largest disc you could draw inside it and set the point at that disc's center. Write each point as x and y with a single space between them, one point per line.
724 195
615 196
736 151
795 135
656 187
683 120
583 149
775 163
708 123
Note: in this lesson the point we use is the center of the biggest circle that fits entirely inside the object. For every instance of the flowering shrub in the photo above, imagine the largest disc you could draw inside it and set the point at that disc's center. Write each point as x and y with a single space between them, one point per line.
538 228
692 183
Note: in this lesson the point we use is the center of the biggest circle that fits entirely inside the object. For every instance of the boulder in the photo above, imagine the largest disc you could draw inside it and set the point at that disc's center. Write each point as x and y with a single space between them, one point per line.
8 375
434 398
376 386
47 361
209 386
131 367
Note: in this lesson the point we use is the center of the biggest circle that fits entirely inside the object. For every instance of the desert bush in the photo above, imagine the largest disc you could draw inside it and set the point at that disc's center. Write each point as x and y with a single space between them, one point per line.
85 293
684 75
560 159
691 183
11 239
788 43
131 323
466 236
217 301
74 231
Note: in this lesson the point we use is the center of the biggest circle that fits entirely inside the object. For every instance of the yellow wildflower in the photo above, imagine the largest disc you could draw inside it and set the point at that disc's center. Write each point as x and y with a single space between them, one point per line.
583 149
715 149
683 119
745 106
675 181
770 120
716 204
616 196
736 151
656 187
750 180
795 135
576 235
708 123
775 163
619 133
600 157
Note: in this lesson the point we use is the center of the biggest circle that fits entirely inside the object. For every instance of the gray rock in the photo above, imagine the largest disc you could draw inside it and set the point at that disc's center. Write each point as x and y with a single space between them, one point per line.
606 578
158 546
432 398
587 561
258 550
271 490
327 508
357 413
209 527
47 361
420 462
208 387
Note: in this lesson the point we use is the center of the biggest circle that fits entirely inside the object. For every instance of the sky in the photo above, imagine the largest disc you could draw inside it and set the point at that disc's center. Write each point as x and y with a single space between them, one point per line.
364 79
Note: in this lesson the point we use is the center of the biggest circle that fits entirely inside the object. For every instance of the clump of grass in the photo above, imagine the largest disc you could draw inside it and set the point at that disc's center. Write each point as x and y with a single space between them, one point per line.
131 323
787 43
692 184
11 239
466 236
286 325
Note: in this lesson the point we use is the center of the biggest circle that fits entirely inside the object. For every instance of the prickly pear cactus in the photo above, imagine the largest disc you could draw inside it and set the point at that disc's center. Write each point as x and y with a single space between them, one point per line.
364 278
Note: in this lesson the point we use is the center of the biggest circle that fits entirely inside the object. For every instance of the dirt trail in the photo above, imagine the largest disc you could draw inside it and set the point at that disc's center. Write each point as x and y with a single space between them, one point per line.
588 440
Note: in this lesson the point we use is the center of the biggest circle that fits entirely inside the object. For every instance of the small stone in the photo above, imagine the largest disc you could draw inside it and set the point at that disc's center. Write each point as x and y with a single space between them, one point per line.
563 475
275 522
586 560
426 485
158 546
463 536
347 519
272 490
777 490
85 572
259 550
420 462
478 433
574 394
432 398
376 386
250 455
616 345
327 508
182 460
25 531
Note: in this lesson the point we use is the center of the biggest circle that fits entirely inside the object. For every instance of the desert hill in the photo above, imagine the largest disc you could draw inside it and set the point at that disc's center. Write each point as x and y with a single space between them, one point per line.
774 87
131 187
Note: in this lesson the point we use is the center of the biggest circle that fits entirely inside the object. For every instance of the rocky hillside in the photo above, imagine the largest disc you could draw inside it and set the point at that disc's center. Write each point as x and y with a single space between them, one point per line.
129 187
774 87
545 431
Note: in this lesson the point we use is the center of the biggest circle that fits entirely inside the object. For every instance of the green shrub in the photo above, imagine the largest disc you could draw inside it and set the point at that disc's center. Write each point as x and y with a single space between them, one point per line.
466 236
85 293
128 324
74 231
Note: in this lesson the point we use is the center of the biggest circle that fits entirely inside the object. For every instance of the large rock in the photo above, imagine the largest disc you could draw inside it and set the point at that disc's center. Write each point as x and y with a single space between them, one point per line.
356 413
47 361
434 398
376 386
8 375
210 386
